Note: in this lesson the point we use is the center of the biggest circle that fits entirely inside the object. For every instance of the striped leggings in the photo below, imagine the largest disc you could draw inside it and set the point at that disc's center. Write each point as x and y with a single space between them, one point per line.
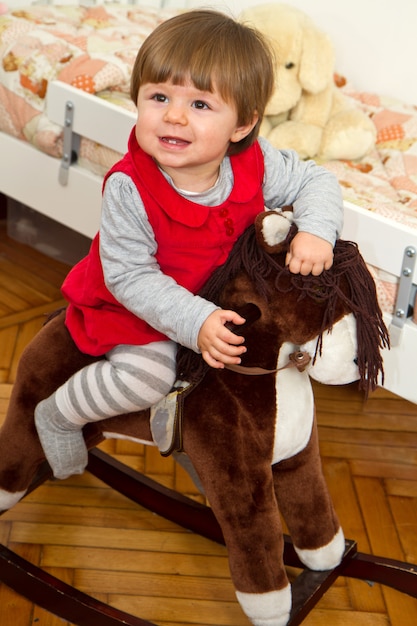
130 378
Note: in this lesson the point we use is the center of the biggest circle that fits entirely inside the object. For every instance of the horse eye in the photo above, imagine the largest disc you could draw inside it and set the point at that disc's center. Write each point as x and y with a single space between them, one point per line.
356 361
289 66
318 293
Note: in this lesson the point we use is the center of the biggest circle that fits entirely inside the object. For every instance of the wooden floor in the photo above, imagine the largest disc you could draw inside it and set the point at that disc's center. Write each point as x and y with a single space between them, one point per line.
83 532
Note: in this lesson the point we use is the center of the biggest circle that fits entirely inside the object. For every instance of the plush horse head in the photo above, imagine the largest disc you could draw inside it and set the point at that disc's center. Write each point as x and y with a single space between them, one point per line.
338 308
249 432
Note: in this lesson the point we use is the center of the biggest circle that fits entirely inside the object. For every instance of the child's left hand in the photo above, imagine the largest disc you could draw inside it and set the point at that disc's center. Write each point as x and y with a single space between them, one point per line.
309 254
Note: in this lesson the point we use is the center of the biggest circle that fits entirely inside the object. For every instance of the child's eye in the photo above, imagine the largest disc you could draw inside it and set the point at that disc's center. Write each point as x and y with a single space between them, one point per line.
159 97
199 104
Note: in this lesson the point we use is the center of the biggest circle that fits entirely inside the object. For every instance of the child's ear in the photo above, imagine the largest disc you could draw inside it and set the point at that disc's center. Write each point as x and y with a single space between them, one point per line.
243 131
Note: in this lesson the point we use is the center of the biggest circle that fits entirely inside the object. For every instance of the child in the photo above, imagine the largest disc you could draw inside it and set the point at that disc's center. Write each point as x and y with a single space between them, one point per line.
193 179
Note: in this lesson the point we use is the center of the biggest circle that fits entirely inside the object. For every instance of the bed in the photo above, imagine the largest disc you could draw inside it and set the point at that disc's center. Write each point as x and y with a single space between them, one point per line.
65 115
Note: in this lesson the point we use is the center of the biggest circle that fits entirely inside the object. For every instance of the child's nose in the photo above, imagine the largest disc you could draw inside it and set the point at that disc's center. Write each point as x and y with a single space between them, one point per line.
175 114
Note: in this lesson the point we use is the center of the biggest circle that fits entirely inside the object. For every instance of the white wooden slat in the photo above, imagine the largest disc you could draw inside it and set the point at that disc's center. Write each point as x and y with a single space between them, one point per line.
31 177
399 362
381 241
94 118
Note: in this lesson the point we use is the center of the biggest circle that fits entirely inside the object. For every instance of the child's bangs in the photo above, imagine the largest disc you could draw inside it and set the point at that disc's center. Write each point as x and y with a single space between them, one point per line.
180 65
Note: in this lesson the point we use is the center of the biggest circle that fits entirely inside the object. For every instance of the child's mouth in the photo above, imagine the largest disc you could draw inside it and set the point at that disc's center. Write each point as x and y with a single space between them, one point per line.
174 141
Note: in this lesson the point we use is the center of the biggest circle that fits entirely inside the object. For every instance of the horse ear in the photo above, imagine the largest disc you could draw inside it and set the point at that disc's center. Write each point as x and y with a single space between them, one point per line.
272 228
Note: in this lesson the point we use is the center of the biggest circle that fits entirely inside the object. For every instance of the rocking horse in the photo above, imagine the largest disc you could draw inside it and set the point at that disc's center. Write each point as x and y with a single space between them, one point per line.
247 434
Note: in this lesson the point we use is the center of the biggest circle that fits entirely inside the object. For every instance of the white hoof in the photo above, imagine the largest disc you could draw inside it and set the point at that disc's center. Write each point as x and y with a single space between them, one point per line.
7 499
267 609
327 557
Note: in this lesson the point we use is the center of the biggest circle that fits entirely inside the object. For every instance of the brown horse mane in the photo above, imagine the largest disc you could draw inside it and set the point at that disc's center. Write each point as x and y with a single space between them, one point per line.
347 280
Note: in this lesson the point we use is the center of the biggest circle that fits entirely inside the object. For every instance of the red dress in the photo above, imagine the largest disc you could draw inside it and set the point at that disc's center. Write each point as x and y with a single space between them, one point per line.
193 240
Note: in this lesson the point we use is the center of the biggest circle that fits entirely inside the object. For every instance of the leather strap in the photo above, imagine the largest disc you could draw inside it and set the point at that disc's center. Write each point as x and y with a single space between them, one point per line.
298 359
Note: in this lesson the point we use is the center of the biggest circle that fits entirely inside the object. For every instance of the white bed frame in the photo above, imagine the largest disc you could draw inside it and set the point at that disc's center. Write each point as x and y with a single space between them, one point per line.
36 180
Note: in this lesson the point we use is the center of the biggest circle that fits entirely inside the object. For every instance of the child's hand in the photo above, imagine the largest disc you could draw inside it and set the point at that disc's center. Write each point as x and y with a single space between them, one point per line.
309 254
218 345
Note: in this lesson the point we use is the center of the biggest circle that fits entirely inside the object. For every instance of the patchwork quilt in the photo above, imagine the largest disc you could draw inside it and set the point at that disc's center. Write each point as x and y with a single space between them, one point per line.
91 48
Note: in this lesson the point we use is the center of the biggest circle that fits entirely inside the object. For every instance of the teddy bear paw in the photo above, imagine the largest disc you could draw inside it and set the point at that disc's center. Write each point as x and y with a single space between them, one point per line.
347 135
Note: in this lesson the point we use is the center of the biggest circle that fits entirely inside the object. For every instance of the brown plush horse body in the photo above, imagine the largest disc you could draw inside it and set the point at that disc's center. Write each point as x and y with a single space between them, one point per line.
250 434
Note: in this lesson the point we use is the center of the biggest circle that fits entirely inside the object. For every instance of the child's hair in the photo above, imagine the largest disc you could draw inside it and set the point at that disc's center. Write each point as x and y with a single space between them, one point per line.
213 51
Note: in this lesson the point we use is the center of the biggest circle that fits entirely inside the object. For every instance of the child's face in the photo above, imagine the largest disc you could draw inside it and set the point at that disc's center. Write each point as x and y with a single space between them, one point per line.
187 131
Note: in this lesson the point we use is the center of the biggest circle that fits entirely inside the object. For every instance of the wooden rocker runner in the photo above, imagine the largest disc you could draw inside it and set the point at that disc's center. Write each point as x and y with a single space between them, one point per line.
249 436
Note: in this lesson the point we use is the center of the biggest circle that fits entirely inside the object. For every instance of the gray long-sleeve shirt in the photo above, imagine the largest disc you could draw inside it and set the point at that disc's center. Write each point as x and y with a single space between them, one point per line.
128 245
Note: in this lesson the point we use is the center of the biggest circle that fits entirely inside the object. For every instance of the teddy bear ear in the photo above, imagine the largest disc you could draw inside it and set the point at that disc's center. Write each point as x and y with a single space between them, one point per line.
272 228
317 60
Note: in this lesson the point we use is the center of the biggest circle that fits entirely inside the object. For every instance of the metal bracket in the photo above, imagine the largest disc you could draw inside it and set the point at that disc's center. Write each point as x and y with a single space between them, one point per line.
405 290
71 144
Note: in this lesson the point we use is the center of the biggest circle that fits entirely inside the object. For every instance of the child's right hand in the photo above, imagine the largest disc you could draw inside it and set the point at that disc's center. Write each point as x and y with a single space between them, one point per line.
219 346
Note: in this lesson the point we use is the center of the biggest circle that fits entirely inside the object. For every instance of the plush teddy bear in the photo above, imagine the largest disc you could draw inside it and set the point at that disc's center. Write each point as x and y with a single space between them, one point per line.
307 112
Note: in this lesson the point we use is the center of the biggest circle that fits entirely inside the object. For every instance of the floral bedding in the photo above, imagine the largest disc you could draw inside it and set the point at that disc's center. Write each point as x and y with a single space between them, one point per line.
385 180
93 48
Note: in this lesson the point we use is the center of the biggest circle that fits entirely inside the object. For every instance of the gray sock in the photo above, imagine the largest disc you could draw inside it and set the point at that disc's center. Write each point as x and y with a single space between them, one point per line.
62 441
